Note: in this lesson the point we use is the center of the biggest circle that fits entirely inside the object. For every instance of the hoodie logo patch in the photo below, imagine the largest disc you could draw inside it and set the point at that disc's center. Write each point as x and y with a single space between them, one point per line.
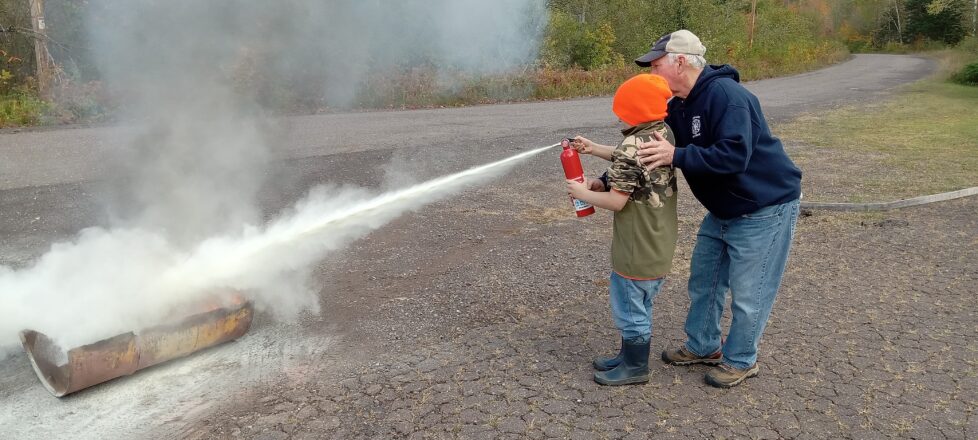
697 125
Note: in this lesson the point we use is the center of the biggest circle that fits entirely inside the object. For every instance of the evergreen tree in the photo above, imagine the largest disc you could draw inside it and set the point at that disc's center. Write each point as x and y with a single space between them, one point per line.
938 20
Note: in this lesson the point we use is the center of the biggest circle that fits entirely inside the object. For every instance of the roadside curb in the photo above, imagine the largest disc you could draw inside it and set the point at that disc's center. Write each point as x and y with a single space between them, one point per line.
886 206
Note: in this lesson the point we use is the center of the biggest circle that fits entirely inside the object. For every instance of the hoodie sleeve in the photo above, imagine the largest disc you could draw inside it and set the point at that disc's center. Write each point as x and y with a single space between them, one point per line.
730 120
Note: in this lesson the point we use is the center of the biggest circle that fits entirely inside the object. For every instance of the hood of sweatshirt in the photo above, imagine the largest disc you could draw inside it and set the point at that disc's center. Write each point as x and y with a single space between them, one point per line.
710 74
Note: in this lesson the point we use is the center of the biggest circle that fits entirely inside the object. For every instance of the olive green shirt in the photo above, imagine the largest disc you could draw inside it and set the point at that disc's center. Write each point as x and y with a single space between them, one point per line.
645 230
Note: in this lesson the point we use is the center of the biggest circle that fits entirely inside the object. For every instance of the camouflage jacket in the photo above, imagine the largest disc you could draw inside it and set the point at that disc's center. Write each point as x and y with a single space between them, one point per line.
629 176
645 230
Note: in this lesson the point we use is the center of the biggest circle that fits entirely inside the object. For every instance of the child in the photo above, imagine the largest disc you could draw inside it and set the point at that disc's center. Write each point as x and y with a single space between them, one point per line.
644 237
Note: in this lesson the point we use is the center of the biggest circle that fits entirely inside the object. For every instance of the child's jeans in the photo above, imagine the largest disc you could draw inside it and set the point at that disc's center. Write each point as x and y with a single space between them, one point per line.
631 306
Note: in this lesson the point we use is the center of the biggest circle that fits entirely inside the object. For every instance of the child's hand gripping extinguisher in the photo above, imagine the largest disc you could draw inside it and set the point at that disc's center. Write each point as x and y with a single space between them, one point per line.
574 171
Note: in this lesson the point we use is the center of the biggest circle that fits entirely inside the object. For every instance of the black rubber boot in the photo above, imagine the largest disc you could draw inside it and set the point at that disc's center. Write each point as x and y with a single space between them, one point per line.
634 367
605 364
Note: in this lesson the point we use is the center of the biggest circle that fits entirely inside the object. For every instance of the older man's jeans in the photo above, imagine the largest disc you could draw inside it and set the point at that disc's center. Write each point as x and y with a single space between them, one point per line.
745 255
631 306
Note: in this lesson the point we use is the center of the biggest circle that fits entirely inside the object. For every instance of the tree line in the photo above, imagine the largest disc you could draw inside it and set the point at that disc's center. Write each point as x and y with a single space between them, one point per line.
587 45
595 33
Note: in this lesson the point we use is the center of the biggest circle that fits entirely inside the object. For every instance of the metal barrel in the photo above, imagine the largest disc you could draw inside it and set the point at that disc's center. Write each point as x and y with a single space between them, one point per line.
63 373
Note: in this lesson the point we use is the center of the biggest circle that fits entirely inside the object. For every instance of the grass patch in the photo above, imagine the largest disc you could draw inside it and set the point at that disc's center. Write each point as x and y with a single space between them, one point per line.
790 60
922 141
967 76
422 88
21 108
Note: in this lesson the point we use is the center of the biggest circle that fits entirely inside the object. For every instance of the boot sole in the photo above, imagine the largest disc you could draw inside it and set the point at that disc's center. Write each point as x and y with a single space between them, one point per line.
692 362
710 381
629 381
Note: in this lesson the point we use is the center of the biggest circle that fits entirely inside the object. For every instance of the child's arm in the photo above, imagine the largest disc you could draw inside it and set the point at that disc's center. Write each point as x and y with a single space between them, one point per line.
586 146
612 200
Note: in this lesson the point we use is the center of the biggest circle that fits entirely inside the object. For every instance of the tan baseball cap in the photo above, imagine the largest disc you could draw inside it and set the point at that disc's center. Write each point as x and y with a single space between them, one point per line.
681 41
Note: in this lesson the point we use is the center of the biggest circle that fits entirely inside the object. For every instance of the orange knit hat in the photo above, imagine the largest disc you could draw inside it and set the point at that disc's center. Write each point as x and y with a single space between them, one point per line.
641 99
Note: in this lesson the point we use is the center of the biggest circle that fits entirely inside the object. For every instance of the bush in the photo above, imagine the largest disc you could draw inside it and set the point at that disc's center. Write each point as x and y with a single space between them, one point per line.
570 43
20 108
969 44
858 45
78 103
592 49
968 75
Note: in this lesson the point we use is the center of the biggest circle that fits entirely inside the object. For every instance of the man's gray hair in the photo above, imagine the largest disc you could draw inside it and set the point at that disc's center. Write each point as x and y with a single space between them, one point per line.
697 61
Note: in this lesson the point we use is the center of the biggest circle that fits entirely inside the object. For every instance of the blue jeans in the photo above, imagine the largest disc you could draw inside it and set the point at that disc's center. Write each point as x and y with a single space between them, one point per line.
746 255
631 305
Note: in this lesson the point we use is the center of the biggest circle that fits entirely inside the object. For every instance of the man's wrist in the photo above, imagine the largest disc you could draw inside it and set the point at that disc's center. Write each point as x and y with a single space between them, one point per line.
604 181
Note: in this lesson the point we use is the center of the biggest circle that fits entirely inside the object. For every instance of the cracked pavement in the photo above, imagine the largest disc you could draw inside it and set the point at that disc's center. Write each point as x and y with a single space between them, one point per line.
478 317
876 341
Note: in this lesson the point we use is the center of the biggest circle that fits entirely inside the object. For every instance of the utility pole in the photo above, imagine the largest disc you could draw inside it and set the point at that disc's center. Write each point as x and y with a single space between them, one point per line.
753 22
896 7
974 20
41 55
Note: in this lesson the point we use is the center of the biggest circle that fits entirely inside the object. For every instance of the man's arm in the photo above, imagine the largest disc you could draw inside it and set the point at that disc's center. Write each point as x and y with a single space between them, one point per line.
729 154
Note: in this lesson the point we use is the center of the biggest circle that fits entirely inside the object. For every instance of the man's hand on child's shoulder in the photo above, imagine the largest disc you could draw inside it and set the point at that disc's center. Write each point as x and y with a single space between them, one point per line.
657 152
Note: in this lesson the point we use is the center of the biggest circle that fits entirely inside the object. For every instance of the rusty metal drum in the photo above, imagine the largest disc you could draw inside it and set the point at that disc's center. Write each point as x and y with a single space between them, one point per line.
64 372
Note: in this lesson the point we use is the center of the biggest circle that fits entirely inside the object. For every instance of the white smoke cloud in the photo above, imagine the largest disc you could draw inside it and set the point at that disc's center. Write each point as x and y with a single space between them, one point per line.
109 282
191 75
185 220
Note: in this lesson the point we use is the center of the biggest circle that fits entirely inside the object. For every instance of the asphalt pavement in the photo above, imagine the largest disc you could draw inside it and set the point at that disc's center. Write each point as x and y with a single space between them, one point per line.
477 317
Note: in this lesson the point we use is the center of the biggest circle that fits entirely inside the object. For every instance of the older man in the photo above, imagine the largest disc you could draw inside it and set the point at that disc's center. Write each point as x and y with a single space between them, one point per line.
744 178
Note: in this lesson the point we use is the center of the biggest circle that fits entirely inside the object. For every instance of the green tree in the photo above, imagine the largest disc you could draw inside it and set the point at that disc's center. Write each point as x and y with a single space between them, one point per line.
570 42
938 20
16 41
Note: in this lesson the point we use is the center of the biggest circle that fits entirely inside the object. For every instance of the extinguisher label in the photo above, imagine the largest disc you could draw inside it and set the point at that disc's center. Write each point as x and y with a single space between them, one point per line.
580 205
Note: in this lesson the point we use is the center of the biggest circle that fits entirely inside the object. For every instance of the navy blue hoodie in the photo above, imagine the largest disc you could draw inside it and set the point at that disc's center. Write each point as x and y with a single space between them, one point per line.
733 164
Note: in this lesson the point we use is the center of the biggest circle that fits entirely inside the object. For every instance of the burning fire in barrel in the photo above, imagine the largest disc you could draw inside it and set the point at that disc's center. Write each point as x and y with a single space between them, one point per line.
65 371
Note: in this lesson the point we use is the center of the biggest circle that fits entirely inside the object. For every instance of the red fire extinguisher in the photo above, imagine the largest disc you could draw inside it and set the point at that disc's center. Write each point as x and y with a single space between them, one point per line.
573 170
